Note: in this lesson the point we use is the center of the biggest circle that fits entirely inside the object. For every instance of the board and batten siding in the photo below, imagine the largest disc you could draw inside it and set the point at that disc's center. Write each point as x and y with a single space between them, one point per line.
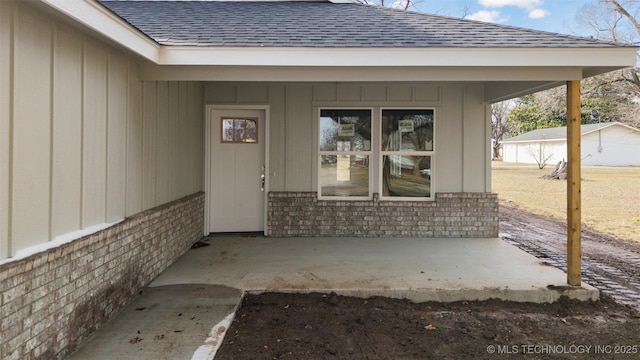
462 140
83 140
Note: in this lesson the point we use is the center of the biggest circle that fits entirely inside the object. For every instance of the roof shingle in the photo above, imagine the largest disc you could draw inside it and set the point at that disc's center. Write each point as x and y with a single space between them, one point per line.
558 133
323 24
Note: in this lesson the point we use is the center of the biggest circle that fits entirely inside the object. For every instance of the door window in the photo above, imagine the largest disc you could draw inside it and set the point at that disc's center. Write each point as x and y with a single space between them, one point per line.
236 130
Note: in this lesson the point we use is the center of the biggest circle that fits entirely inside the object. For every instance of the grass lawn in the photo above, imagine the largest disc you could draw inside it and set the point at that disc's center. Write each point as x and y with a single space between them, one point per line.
610 195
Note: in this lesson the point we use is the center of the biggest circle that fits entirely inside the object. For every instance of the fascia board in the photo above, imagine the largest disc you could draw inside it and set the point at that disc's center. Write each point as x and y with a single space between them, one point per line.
611 124
460 57
99 19
371 73
604 126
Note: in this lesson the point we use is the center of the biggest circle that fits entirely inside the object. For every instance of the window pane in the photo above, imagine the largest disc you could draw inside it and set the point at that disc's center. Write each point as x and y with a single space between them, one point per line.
407 130
345 130
406 176
344 175
227 130
238 130
251 130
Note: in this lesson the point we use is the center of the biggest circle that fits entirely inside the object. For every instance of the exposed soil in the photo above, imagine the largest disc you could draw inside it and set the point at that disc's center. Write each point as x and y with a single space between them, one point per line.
320 326
328 326
610 264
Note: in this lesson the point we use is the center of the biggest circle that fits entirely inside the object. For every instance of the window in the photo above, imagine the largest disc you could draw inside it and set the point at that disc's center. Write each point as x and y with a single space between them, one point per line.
239 130
402 147
406 153
345 153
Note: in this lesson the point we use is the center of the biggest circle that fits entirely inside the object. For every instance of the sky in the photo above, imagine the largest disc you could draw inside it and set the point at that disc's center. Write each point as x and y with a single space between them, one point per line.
557 16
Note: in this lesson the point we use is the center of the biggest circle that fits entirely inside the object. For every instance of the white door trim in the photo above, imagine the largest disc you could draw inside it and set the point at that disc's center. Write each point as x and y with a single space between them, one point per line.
207 157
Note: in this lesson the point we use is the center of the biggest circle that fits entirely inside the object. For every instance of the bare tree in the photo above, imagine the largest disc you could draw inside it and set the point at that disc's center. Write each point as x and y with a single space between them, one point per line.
499 124
540 154
396 4
616 20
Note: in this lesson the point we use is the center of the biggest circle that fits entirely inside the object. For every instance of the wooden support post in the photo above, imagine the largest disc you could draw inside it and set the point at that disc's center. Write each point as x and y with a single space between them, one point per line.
574 224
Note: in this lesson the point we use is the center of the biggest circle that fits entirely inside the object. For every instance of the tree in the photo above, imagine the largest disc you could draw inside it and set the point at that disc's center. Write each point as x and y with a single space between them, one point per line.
608 97
535 111
603 100
499 124
617 20
540 154
395 4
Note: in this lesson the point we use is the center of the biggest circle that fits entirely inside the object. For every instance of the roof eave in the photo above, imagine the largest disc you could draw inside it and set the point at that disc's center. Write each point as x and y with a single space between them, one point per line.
101 20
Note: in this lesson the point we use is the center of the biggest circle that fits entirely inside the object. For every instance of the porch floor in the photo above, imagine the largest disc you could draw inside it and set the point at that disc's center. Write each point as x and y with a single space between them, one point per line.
210 281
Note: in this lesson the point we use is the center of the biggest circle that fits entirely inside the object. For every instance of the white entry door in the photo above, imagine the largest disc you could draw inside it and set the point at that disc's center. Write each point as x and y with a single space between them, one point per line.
237 160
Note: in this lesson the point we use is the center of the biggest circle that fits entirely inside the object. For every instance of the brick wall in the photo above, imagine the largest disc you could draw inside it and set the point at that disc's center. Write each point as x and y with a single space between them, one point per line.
450 215
52 301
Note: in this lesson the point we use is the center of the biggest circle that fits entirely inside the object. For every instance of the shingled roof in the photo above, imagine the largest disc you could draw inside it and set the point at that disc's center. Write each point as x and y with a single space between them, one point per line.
560 133
324 24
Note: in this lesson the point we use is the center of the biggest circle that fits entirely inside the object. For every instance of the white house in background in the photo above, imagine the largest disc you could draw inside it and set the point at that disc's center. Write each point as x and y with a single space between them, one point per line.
606 144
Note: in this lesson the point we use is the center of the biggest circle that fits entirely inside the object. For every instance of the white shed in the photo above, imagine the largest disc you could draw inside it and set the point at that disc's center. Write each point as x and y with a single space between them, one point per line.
605 144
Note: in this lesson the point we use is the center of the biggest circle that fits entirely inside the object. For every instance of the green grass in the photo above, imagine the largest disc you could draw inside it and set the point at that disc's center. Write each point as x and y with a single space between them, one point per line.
610 195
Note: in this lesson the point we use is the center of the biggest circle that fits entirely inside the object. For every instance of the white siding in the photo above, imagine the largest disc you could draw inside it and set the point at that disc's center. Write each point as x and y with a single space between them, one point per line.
612 146
134 143
475 139
83 141
94 141
149 134
615 145
532 152
67 133
163 188
448 141
460 116
299 123
117 137
31 151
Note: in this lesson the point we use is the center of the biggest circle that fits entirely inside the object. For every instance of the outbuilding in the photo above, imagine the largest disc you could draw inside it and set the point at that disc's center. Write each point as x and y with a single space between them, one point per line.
605 144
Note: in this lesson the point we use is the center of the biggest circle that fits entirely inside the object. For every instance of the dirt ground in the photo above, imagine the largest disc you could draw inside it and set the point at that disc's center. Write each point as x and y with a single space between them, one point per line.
610 264
320 326
328 326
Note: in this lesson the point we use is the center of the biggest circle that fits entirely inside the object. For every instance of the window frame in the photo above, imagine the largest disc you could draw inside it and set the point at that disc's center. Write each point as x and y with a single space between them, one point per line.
370 153
234 119
376 154
382 153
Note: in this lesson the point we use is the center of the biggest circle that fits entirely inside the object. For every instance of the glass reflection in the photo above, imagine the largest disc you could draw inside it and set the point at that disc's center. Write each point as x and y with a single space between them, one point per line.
406 176
344 175
345 130
407 130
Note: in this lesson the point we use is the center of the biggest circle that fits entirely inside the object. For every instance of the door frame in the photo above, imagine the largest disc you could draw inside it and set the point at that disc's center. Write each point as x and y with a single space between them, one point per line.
207 157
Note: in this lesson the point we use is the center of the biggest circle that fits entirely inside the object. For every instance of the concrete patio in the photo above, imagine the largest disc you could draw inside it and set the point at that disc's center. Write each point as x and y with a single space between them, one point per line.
208 282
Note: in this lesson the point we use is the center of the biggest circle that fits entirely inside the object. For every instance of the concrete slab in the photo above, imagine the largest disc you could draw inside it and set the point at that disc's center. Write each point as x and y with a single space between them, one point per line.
167 322
185 312
416 269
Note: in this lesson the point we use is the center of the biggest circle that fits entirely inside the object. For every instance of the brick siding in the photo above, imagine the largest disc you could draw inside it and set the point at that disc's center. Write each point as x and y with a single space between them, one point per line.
473 215
52 301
